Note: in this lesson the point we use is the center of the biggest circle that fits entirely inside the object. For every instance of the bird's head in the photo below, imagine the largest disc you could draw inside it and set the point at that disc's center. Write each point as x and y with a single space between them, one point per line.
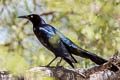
34 18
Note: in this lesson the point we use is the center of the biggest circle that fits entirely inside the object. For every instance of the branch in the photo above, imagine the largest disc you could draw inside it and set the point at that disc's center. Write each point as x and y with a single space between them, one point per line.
101 72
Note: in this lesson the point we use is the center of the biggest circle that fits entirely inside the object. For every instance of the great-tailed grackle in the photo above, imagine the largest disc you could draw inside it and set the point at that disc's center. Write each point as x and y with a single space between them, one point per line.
60 45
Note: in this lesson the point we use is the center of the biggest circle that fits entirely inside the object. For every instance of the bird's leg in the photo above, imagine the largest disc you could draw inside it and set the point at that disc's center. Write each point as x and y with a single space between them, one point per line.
51 62
59 62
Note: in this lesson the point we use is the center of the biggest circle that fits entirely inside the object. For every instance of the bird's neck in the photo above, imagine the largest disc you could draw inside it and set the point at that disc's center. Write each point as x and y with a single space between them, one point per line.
39 23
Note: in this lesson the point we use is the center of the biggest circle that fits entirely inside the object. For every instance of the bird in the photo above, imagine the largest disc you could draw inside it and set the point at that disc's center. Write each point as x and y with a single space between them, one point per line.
60 45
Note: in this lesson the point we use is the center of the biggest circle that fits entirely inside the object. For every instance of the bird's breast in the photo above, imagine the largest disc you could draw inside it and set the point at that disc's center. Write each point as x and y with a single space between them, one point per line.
41 36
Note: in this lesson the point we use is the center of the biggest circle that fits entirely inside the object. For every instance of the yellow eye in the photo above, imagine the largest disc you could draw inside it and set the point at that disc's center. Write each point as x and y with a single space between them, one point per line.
31 16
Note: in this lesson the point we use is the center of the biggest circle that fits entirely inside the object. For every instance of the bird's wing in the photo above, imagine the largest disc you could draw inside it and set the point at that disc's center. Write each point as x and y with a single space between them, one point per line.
68 43
74 49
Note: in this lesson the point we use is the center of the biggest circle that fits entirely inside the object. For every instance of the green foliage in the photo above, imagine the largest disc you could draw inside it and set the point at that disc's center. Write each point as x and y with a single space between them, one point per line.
92 24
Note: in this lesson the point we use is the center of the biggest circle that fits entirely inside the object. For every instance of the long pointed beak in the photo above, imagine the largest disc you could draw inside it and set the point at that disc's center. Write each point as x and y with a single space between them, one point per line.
23 17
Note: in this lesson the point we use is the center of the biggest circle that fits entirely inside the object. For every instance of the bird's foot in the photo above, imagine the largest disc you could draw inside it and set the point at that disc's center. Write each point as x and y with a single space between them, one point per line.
48 66
44 66
59 67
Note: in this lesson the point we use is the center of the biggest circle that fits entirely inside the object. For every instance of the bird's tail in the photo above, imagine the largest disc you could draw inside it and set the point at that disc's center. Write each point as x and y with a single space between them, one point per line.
89 55
93 57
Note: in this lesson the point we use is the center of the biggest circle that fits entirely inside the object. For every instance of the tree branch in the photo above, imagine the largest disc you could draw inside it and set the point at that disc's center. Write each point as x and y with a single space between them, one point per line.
101 72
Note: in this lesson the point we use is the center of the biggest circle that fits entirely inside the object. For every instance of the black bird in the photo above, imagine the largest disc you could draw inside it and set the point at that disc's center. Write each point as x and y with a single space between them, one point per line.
60 45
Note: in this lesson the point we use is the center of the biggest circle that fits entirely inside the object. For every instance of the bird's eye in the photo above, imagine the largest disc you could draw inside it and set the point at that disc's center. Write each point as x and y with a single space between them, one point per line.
31 16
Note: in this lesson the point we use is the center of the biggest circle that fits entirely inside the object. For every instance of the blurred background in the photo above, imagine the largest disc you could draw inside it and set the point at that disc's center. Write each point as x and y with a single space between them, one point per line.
93 25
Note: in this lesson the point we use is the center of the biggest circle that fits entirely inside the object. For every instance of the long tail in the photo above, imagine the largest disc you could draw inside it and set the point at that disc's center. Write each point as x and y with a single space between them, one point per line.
93 57
89 55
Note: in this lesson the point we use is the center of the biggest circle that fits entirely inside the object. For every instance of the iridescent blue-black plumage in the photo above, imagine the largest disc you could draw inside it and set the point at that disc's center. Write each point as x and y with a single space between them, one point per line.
60 45
50 38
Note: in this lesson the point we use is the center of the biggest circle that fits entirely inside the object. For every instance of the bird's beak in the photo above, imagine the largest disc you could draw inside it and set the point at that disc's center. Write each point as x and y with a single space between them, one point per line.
23 17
